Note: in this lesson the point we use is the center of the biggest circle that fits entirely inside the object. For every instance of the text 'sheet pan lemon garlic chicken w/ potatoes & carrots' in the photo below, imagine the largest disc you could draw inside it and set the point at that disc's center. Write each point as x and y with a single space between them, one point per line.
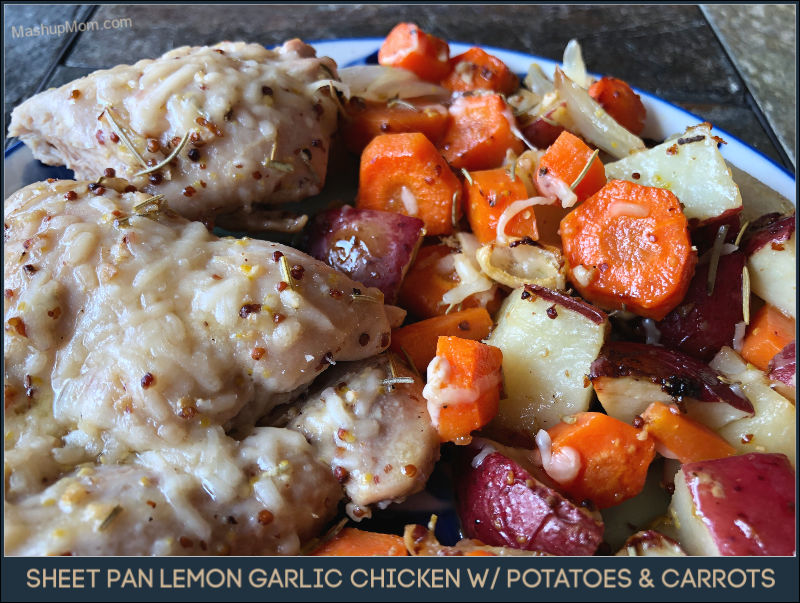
520 292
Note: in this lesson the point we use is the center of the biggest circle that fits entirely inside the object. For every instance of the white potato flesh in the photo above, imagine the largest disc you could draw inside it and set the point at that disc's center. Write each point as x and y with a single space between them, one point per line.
545 361
773 275
690 529
694 171
772 428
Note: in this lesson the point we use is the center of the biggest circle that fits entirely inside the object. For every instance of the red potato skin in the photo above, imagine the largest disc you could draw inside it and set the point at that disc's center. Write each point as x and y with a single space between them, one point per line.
768 229
541 133
702 324
371 246
679 375
783 366
703 235
501 504
747 493
583 308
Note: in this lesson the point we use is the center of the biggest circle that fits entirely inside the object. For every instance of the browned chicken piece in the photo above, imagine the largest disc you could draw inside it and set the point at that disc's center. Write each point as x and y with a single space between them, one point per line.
376 435
242 125
136 339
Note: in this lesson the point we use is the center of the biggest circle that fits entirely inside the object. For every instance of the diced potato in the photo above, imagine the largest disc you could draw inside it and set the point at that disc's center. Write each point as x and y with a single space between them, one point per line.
740 505
549 341
773 275
772 428
691 167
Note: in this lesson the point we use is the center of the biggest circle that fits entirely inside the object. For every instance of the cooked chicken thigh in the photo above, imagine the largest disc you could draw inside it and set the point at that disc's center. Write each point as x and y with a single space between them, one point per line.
249 125
377 437
138 341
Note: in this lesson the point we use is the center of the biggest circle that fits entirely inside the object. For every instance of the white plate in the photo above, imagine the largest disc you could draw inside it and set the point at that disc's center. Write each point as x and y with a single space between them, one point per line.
663 119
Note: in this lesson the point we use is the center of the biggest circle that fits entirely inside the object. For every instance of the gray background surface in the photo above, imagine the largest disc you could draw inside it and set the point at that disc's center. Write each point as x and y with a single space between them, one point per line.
734 65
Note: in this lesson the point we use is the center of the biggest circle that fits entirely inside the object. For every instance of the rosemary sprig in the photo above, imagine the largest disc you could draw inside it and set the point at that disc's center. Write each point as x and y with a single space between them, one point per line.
149 208
110 517
585 170
281 166
169 157
716 251
109 113
286 272
394 379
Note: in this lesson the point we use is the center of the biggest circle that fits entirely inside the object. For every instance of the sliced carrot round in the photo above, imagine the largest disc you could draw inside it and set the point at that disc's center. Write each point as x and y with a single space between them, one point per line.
404 173
628 247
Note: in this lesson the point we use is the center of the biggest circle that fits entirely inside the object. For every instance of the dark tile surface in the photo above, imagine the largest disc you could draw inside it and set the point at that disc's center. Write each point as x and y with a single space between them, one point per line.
670 51
665 50
28 58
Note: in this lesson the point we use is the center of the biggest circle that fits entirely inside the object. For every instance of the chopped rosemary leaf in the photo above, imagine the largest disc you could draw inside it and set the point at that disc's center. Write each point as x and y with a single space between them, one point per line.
148 205
716 251
363 297
167 159
467 175
746 295
109 113
110 517
585 170
454 210
741 233
286 272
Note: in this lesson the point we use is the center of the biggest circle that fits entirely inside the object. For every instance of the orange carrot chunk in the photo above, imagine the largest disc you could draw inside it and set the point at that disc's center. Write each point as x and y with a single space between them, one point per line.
408 47
479 133
628 247
404 173
769 332
463 390
429 278
489 195
352 542
620 102
613 460
478 70
567 159
368 120
418 340
686 438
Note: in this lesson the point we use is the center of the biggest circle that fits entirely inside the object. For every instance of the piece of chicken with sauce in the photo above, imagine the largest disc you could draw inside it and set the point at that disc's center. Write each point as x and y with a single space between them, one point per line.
245 125
137 340
369 421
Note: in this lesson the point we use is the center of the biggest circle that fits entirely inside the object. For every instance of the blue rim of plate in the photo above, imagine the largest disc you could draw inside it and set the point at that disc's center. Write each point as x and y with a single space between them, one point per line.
522 56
